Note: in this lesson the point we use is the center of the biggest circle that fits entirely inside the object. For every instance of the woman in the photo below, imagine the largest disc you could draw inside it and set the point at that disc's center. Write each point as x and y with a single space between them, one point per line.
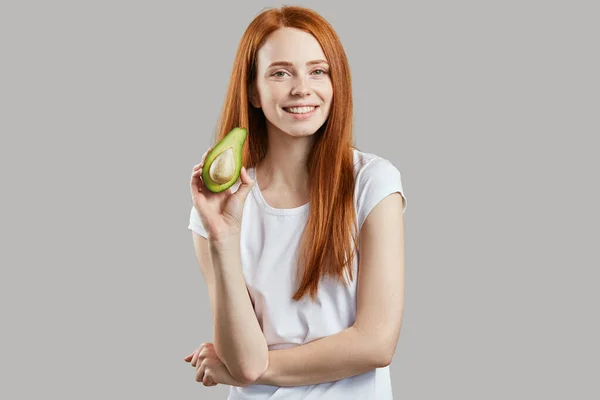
297 314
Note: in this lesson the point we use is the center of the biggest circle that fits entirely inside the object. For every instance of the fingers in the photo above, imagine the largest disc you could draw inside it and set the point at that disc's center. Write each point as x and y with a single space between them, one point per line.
196 178
245 187
206 380
205 154
200 371
197 175
200 360
207 372
206 352
195 183
206 349
203 159
246 177
195 357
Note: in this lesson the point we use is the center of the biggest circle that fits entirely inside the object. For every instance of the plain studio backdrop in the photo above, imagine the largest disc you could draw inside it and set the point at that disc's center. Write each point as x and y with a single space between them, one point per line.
490 110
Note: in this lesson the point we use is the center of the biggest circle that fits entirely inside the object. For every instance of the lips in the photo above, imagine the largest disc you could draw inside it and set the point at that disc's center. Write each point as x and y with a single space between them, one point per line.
302 114
300 109
302 105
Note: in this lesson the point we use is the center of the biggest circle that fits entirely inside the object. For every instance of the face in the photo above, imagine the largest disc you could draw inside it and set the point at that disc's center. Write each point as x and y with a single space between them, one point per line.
293 85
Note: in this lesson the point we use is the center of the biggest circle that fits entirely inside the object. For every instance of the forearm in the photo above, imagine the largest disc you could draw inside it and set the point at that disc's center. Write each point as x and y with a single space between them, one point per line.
345 354
238 338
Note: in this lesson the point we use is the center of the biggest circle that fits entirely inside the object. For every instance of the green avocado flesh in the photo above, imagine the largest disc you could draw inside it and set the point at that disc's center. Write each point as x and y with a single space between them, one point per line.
222 166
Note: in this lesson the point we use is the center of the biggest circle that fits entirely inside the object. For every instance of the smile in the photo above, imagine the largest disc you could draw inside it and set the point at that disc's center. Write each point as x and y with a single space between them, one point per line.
299 110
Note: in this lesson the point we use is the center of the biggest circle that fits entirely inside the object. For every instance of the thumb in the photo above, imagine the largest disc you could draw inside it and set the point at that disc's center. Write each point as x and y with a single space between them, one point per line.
246 186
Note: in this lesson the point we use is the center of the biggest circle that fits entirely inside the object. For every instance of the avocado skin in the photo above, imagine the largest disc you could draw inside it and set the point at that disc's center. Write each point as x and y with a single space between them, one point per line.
236 139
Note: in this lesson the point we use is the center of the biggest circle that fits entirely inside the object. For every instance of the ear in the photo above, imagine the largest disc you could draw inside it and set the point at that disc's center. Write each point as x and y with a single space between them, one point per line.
253 95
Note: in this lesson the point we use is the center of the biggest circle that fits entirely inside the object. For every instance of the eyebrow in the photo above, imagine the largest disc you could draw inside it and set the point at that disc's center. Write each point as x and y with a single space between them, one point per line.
289 64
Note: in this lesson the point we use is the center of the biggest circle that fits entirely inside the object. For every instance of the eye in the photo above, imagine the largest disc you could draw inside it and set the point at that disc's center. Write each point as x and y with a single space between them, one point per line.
323 72
279 72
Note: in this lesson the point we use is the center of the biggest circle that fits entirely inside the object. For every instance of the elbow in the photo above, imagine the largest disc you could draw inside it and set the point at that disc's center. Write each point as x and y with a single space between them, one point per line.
385 353
249 374
249 377
381 347
387 340
385 359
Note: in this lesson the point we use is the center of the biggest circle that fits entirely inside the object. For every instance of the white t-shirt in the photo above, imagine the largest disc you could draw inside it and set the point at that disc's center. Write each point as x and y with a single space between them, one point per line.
269 243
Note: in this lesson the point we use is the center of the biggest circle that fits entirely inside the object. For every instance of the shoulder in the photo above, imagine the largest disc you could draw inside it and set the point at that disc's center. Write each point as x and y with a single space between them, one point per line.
367 164
376 178
363 159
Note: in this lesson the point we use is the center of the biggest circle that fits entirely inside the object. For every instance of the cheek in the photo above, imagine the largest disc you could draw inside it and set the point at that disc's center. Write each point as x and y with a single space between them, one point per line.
326 90
274 92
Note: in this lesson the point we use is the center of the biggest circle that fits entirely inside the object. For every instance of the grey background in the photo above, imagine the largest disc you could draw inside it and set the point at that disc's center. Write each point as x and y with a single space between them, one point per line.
489 109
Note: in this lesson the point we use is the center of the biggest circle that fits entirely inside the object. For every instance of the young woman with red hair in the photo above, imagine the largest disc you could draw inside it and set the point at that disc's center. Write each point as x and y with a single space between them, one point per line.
304 256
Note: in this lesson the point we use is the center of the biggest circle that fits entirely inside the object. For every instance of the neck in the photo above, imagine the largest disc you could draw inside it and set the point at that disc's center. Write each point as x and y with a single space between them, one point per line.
284 166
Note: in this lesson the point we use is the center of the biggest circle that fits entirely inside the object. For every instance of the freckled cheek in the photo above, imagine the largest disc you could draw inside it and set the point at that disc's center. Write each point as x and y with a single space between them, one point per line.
324 88
277 94
326 95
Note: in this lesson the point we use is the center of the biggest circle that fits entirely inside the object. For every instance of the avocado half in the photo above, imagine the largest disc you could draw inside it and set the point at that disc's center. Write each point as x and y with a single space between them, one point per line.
222 166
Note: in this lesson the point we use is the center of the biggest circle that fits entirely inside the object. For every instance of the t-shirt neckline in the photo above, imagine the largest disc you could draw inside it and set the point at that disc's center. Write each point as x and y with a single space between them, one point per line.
272 210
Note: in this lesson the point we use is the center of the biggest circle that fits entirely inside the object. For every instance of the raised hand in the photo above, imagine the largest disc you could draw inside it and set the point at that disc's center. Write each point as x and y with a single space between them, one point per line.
220 213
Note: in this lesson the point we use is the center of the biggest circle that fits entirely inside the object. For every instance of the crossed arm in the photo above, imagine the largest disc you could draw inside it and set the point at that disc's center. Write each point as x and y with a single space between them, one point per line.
371 341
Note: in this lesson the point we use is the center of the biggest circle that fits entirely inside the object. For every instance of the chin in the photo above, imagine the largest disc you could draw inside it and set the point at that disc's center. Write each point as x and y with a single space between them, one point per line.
300 131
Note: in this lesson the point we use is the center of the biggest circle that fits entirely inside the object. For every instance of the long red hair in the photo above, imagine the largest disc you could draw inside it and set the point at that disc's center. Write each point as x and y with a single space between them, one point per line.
329 240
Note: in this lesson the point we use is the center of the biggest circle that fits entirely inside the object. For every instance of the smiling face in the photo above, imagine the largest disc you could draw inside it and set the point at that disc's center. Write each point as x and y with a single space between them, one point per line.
293 85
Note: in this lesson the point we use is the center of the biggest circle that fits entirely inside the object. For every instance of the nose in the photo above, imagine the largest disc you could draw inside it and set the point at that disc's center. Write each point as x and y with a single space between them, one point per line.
300 88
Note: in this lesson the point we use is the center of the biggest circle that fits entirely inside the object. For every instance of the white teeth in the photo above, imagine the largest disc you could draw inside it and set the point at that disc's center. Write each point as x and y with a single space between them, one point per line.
299 110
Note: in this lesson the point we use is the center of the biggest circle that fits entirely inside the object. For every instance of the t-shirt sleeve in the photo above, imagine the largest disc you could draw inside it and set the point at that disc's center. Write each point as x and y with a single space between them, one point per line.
195 223
378 179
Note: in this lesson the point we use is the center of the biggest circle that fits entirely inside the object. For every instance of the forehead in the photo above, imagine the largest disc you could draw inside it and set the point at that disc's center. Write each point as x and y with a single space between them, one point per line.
289 44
